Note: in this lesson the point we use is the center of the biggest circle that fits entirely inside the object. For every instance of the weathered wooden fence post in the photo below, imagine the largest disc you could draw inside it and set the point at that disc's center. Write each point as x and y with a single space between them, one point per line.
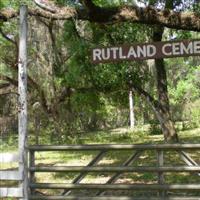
161 179
22 90
131 109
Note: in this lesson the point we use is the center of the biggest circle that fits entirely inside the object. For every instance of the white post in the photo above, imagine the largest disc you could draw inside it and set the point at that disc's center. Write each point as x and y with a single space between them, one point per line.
131 107
22 90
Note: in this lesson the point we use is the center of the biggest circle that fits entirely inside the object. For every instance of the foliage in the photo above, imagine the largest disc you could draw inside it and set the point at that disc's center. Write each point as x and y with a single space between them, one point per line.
155 129
184 87
75 95
186 90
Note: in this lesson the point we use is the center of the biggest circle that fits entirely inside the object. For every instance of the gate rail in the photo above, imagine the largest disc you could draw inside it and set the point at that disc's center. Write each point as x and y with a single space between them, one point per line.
161 187
10 175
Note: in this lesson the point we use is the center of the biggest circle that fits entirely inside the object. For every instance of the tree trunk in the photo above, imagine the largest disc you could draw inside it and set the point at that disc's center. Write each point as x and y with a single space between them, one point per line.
165 119
131 107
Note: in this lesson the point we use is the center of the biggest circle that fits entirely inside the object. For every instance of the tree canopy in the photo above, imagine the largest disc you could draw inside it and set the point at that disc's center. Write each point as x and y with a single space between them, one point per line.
72 91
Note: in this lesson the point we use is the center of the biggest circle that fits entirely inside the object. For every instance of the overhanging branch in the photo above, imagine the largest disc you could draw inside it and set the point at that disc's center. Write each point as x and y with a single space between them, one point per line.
6 14
45 6
149 15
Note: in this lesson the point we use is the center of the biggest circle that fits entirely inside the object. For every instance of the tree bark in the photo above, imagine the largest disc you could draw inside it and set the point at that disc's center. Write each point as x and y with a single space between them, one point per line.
165 120
147 15
162 116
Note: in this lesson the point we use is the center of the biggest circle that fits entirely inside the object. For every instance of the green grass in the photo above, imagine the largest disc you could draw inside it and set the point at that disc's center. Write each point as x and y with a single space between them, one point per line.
114 158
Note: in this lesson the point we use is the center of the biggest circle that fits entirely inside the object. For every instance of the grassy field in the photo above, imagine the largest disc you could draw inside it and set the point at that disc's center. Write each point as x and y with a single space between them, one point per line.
113 158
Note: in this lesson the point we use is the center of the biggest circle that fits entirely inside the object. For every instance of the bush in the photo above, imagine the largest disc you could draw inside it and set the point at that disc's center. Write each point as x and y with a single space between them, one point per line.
155 129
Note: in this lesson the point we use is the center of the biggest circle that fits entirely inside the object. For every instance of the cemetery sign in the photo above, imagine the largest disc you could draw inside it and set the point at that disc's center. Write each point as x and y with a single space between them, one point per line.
145 51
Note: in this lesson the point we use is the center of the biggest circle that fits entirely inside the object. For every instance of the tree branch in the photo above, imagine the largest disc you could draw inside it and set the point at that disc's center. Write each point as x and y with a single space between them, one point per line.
7 91
66 92
42 4
41 93
156 106
147 15
7 88
4 85
7 38
6 14
31 84
8 79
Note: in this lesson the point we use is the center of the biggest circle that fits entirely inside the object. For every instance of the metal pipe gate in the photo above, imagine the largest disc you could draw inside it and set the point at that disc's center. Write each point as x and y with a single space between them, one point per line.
97 191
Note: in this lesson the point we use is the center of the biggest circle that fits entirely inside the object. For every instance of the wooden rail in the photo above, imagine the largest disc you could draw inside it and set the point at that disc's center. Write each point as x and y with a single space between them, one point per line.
10 175
126 167
145 187
114 169
107 198
9 157
11 192
104 147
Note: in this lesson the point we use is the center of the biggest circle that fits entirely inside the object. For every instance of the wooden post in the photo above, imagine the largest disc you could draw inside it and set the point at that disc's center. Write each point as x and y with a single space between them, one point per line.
22 90
161 181
32 164
131 107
